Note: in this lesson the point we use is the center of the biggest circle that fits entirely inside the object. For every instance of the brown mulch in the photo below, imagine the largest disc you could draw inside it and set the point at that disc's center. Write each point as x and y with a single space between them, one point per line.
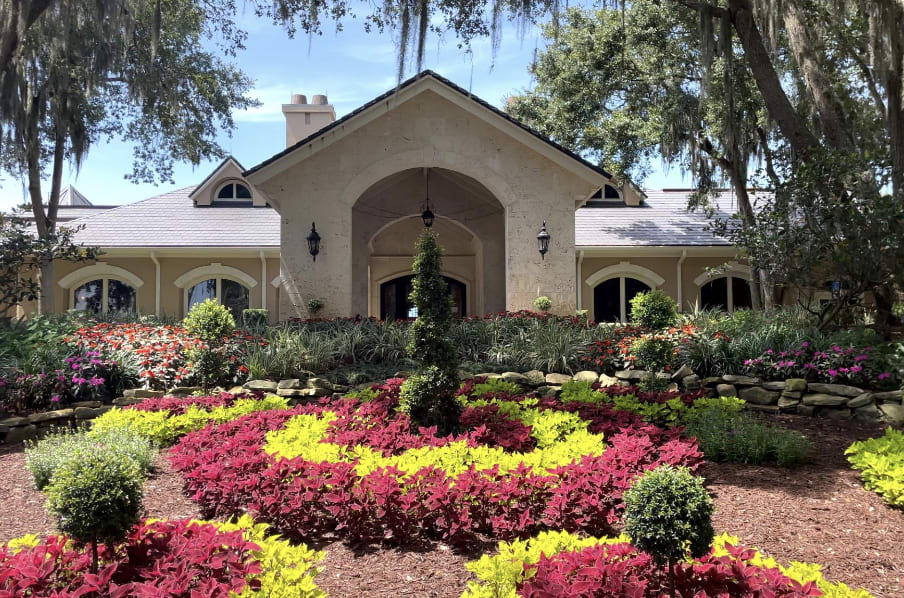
816 513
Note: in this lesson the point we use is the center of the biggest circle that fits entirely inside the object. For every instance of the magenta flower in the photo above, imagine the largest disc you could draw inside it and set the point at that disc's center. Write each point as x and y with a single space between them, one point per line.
833 373
884 375
55 398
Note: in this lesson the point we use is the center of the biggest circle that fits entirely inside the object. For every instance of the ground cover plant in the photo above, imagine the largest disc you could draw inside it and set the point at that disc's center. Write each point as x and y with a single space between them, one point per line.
356 468
164 558
881 463
564 564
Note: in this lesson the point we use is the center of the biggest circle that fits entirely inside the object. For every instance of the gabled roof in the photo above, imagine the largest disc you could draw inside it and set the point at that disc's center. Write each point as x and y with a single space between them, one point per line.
424 75
173 220
70 196
214 172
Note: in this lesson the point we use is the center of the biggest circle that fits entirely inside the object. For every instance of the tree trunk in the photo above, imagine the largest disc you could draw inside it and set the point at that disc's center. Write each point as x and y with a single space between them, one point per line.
896 111
778 105
47 304
745 208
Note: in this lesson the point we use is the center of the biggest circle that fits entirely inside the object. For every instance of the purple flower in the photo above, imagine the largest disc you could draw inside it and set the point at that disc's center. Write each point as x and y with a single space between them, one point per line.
95 381
884 375
833 373
859 358
55 398
856 369
805 344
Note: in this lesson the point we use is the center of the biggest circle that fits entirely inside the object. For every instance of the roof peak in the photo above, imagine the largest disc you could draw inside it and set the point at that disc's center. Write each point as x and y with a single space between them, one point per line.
70 196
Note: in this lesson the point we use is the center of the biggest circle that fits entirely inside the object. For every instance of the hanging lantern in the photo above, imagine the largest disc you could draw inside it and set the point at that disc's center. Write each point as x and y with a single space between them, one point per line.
543 241
314 242
427 214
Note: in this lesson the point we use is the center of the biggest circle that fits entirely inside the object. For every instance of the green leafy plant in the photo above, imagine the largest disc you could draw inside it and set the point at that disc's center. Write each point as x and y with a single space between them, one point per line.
543 303
426 398
314 306
668 514
213 323
653 353
881 464
255 318
96 496
653 310
44 457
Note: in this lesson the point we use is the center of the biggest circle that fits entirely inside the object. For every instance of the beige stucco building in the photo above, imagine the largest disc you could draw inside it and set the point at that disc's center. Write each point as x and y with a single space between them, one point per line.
364 181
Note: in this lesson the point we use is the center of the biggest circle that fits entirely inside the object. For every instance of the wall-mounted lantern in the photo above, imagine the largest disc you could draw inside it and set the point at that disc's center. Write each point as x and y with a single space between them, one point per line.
314 242
543 241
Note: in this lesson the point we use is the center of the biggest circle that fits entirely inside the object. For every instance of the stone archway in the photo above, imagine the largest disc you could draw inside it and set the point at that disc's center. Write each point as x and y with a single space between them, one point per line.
470 224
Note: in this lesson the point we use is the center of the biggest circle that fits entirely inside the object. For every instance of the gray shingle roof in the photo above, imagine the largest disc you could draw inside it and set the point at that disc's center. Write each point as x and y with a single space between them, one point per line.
660 221
172 220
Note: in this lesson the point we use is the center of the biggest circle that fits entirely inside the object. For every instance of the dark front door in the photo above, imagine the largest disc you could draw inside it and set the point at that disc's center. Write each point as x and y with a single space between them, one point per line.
395 305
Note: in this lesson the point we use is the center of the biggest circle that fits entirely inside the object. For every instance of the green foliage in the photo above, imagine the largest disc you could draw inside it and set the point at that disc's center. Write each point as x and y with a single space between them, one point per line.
668 514
653 353
581 391
881 464
653 310
738 437
44 457
96 495
314 306
163 428
428 398
494 385
543 303
210 321
255 318
653 383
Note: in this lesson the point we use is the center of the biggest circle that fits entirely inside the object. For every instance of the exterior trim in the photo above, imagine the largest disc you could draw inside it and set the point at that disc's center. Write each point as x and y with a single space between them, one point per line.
625 269
731 269
215 270
99 270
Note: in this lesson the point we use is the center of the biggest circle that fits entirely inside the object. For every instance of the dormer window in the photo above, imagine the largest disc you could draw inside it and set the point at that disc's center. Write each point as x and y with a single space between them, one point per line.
234 194
606 196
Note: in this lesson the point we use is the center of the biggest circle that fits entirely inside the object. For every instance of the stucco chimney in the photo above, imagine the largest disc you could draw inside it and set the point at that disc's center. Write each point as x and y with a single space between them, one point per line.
303 119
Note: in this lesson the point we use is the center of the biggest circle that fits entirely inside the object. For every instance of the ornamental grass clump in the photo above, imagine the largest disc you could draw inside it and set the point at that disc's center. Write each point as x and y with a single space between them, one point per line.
668 515
96 497
428 396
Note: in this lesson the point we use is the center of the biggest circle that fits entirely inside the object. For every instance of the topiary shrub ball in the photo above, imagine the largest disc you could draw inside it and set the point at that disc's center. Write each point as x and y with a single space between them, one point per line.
428 397
668 514
653 310
543 303
210 321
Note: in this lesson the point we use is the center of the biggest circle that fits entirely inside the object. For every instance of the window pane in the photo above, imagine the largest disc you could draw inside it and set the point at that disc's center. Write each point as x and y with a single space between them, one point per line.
226 192
633 287
235 298
611 192
740 290
201 291
607 301
88 297
714 294
242 192
120 297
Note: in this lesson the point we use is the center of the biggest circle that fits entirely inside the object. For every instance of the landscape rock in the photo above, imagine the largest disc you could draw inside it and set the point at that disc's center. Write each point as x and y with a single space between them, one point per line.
806 410
125 402
14 421
47 416
607 380
691 382
21 433
683 372
890 395
261 385
787 402
673 387
726 390
557 379
740 380
87 412
867 413
516 378
835 389
236 390
549 391
836 413
792 394
758 395
184 391
824 400
774 409
711 380
893 412
795 384
142 393
535 377
774 386
291 384
586 376
860 401
90 404
632 375
320 383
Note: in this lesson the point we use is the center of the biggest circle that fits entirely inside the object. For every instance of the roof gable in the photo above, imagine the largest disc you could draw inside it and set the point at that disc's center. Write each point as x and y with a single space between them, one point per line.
424 81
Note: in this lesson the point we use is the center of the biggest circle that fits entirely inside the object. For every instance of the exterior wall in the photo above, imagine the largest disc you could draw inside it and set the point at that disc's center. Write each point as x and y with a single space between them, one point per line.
425 131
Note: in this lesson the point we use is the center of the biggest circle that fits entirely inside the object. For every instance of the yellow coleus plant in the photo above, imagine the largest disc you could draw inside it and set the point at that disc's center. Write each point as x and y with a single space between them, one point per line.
881 463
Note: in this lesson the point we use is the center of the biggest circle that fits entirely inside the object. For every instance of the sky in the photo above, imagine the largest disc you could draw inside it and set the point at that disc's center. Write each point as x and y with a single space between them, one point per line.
351 67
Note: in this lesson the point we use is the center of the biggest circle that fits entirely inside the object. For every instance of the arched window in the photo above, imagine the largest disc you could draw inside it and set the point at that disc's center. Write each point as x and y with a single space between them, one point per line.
234 295
234 193
727 293
612 298
395 305
105 295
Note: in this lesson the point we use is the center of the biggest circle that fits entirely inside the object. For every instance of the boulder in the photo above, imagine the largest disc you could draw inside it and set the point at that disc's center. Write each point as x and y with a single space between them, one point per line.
893 412
320 383
711 380
586 376
691 382
726 390
261 386
48 416
792 394
805 410
835 389
549 391
142 393
557 379
184 391
87 412
291 384
535 377
673 387
860 401
683 372
516 378
236 390
21 433
89 404
787 402
758 396
774 386
740 380
631 375
867 413
824 400
795 384
893 396
14 421
836 413
607 380
125 402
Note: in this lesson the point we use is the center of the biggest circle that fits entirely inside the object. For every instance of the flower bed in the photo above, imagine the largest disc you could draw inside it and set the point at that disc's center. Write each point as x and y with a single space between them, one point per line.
562 564
164 558
881 462
357 469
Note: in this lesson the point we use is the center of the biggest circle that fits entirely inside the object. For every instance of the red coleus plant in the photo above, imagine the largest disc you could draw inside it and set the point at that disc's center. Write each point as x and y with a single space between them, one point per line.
178 559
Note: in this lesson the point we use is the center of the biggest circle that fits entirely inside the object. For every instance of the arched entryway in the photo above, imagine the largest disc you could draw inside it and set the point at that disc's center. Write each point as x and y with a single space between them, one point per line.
612 298
469 223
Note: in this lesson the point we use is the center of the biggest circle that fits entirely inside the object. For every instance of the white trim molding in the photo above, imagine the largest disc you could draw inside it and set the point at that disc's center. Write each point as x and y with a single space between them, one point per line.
99 270
622 269
731 269
214 270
